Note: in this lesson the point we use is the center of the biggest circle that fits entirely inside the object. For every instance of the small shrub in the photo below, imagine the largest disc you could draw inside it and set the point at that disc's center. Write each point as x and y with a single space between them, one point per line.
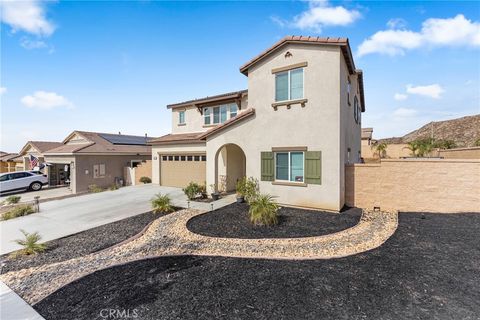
93 188
161 204
12 199
145 180
113 187
477 143
251 189
192 190
30 243
18 211
203 191
263 210
240 187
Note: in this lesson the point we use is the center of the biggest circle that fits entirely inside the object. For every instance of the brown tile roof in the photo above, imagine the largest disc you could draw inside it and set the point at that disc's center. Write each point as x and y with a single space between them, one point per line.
178 138
240 116
43 146
342 42
97 144
219 98
8 156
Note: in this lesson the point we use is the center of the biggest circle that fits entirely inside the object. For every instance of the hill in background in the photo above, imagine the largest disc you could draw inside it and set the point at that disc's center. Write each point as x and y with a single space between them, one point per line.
463 131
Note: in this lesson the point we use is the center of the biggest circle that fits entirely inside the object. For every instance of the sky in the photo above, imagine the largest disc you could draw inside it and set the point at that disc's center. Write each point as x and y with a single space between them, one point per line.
112 66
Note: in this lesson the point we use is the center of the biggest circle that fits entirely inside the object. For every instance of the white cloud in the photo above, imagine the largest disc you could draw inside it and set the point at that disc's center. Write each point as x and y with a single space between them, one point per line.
396 23
400 96
30 44
391 42
457 31
319 15
404 113
3 90
26 15
46 100
433 91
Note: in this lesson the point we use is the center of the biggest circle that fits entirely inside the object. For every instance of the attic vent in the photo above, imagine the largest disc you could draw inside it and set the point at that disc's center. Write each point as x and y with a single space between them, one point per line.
288 54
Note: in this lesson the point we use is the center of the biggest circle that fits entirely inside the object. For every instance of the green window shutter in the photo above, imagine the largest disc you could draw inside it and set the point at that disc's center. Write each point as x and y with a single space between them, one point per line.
267 166
313 167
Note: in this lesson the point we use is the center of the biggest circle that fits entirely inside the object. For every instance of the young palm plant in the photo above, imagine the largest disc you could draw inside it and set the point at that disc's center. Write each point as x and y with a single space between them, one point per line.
161 204
263 210
30 243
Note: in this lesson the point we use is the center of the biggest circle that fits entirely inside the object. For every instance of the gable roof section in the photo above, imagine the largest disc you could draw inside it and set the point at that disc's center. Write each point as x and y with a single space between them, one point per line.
40 146
341 42
8 156
95 143
211 99
199 137
241 116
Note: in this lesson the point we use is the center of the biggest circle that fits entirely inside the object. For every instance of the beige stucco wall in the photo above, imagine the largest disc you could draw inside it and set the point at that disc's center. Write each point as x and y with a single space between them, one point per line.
157 151
415 185
316 126
113 168
194 119
231 165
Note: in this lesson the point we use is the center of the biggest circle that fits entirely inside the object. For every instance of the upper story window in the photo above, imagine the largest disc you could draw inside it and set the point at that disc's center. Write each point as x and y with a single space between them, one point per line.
181 117
289 85
219 114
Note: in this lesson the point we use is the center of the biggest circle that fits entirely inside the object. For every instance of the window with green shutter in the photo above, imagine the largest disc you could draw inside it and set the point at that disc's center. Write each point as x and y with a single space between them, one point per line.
313 167
267 166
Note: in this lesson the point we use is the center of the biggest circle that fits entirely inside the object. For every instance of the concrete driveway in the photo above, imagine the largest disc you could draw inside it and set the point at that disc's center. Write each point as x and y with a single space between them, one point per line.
45 194
60 218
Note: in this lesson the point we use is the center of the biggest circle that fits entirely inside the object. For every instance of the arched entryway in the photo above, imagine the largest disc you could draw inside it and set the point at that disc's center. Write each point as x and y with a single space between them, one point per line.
230 166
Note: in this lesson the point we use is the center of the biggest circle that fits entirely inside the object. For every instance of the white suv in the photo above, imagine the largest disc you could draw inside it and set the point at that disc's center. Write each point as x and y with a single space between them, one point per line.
22 180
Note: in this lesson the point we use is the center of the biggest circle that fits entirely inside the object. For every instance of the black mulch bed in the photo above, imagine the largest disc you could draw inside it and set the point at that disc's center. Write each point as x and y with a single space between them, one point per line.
233 222
429 269
82 243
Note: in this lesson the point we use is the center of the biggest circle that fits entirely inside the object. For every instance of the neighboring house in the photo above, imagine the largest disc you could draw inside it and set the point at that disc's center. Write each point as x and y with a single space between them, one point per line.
37 149
294 129
9 162
92 158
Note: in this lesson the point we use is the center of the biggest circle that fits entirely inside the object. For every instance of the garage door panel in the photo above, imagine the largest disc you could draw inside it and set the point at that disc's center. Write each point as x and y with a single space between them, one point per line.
181 173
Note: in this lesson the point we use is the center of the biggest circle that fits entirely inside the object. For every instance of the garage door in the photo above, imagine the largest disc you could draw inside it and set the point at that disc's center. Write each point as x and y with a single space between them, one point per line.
179 170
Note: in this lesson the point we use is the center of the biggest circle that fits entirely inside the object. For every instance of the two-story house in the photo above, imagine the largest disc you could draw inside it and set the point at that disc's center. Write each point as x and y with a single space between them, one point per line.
294 129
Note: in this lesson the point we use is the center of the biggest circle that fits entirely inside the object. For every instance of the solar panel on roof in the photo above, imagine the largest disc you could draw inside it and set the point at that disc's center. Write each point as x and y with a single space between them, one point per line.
124 139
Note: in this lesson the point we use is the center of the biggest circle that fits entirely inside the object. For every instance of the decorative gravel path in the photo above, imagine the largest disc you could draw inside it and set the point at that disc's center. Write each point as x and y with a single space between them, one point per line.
233 222
168 235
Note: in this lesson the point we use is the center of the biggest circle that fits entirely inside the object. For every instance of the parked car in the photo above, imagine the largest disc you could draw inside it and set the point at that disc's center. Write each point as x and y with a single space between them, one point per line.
22 180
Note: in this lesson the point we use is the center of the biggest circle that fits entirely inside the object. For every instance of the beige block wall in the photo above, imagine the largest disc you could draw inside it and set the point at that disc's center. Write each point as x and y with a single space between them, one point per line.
415 185
143 170
460 153
393 151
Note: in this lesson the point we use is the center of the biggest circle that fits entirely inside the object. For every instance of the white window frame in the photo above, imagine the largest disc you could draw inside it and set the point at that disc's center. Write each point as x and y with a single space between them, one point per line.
98 172
180 117
289 85
211 111
289 166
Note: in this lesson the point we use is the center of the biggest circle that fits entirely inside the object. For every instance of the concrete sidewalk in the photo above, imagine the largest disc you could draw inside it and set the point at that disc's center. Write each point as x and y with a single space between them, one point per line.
60 218
12 307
